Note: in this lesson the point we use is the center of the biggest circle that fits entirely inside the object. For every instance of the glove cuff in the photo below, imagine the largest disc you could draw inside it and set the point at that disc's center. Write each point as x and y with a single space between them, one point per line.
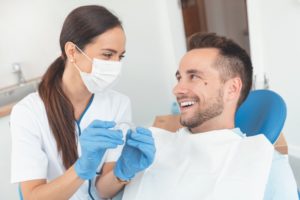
121 174
122 181
84 175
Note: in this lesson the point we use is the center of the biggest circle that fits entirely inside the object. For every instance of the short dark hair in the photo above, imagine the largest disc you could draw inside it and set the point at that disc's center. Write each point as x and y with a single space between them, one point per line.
233 60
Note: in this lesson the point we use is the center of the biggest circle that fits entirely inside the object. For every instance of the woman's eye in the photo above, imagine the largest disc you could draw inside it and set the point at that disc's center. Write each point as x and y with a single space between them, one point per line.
107 55
121 57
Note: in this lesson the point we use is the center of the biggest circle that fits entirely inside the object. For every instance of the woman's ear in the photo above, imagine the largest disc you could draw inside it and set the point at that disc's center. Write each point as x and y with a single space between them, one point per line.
233 89
70 50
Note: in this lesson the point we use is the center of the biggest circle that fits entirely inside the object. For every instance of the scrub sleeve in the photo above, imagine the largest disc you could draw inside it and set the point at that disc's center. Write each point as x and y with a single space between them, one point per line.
28 160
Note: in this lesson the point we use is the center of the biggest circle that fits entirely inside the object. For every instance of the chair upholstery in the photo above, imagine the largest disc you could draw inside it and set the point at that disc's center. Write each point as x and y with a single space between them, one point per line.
264 111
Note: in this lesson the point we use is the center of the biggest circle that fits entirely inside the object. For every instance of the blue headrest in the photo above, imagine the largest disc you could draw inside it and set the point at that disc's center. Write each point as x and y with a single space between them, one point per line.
263 111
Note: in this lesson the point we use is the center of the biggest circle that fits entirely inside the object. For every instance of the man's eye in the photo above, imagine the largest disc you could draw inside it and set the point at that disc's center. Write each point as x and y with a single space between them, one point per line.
193 76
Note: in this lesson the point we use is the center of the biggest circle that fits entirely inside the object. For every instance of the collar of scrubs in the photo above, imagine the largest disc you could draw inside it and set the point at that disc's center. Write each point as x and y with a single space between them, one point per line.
83 113
217 164
79 133
85 110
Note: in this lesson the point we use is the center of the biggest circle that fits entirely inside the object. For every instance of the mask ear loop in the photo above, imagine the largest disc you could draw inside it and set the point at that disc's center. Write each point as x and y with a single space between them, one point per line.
76 66
83 53
72 61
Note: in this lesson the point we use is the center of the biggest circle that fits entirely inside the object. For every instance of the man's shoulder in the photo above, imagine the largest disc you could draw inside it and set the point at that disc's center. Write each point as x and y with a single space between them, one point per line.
280 167
281 183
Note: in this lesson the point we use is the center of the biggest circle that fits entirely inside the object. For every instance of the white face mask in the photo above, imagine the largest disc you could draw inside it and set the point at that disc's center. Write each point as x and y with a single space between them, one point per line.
104 75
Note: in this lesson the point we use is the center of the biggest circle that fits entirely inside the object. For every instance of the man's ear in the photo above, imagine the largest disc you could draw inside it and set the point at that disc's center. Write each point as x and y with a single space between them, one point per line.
233 88
70 50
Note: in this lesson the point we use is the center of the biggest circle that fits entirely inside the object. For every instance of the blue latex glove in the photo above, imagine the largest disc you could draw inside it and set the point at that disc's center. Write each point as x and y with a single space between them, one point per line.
138 154
94 141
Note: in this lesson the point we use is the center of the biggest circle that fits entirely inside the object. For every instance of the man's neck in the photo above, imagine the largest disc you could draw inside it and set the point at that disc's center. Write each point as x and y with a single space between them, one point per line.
214 124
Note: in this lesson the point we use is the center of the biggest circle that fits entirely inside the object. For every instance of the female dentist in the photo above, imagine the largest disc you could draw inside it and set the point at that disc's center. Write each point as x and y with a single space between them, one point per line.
64 140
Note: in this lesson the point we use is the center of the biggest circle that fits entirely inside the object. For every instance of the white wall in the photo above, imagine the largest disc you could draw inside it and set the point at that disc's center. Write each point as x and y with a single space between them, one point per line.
275 49
29 34
155 42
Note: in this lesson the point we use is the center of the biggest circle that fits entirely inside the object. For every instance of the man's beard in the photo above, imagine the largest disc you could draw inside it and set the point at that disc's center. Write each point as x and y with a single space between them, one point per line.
214 109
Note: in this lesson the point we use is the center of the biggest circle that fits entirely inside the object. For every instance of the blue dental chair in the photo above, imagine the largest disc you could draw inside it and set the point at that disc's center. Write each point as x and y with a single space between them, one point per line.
264 111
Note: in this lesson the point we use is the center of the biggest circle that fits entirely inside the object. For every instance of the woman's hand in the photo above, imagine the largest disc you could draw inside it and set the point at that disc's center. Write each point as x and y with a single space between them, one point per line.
94 141
138 154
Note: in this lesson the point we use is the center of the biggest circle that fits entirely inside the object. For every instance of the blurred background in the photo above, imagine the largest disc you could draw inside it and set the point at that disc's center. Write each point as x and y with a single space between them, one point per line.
156 33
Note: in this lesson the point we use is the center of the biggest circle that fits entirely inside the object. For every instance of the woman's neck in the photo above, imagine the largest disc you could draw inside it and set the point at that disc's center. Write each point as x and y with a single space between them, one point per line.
75 90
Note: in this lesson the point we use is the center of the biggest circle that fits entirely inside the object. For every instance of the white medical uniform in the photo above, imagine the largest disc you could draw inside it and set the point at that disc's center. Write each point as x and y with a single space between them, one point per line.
34 149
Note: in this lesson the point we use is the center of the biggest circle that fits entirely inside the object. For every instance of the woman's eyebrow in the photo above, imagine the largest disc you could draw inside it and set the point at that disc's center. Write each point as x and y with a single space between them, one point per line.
113 51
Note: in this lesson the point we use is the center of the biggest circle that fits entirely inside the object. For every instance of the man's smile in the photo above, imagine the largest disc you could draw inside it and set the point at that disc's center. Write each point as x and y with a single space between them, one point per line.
186 104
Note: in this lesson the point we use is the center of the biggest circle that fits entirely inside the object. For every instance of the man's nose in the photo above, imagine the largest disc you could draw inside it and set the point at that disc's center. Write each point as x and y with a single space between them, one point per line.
179 88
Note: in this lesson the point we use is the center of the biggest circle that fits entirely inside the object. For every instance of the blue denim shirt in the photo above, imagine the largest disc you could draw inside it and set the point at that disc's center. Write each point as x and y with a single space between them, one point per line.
281 184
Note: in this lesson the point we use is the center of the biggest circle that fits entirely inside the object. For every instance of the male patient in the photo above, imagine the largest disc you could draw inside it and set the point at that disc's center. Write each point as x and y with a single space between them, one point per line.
210 158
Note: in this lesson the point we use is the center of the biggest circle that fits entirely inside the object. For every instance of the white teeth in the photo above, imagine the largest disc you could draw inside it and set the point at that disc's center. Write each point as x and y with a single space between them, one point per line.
187 103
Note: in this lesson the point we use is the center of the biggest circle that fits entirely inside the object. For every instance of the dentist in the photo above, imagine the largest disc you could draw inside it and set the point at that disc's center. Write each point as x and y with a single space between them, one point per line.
64 140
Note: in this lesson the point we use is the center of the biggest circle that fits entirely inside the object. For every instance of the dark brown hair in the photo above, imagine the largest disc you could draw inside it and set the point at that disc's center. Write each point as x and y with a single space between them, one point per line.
233 60
81 26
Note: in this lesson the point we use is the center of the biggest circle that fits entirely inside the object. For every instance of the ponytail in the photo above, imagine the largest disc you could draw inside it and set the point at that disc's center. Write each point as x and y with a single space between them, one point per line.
59 111
81 26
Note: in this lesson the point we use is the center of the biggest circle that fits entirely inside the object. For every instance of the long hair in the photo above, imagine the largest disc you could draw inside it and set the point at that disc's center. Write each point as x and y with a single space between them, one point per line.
81 26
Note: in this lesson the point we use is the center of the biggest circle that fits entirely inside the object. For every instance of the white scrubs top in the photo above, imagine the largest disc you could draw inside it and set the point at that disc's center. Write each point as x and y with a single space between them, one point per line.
34 150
